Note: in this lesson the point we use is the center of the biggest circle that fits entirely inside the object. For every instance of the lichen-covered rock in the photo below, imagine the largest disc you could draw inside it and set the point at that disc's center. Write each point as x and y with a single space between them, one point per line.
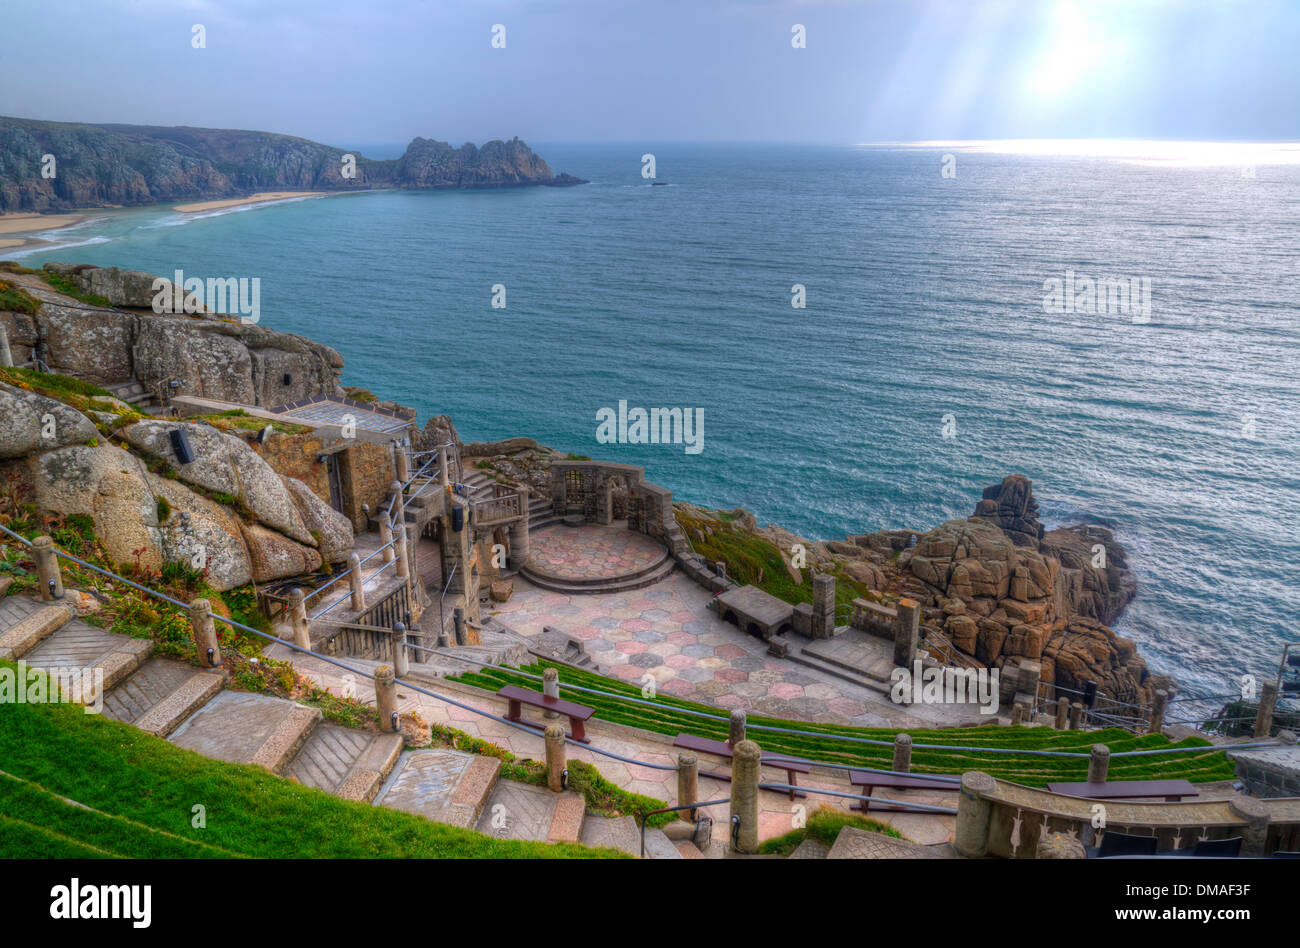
227 465
31 422
332 530
273 556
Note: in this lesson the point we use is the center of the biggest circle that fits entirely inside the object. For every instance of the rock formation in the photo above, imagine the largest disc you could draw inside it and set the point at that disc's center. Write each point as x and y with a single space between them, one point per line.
132 165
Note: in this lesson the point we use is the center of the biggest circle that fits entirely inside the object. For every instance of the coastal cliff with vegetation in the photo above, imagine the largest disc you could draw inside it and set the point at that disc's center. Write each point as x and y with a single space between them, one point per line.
134 165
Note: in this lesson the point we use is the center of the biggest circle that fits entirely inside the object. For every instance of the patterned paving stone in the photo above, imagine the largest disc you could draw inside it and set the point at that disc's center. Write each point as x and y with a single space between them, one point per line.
592 552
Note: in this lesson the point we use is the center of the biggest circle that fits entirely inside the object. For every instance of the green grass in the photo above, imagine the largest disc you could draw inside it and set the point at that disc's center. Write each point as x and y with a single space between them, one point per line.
68 288
666 717
238 418
54 386
146 789
824 824
15 299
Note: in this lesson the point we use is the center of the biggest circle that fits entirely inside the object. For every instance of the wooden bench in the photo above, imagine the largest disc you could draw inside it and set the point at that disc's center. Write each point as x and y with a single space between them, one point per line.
1172 790
870 780
722 749
576 713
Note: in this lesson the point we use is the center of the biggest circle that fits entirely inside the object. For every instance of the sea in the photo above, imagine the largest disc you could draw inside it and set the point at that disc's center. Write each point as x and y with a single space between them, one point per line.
871 335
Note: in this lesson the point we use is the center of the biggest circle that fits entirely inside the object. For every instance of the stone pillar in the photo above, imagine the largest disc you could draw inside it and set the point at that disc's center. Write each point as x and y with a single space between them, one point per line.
6 357
1076 715
205 633
1017 714
399 505
1157 723
823 606
443 467
458 616
1062 713
736 728
519 536
1098 763
401 661
354 580
47 568
907 627
555 763
298 619
399 552
386 536
550 688
1263 716
1254 843
903 753
412 538
688 784
974 811
386 698
744 795
1059 846
604 499
402 464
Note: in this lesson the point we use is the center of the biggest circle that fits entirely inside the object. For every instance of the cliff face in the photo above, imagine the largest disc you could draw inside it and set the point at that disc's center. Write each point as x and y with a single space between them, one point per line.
132 165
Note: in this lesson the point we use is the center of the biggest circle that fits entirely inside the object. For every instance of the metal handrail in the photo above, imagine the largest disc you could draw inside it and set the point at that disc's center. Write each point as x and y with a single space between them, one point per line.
646 814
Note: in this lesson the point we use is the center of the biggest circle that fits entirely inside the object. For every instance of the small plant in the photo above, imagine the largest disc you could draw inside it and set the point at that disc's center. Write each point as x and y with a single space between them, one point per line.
164 509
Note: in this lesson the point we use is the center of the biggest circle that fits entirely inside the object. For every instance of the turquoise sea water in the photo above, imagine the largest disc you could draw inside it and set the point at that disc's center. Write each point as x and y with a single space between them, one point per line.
924 300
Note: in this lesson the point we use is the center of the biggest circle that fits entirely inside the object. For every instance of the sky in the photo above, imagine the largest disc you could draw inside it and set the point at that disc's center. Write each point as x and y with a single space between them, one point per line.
368 71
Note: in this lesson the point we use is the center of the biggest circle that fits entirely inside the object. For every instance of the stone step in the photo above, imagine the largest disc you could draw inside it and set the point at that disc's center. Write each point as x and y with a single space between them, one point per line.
90 651
245 728
881 660
624 833
447 786
837 672
643 578
160 695
530 572
524 811
28 624
345 762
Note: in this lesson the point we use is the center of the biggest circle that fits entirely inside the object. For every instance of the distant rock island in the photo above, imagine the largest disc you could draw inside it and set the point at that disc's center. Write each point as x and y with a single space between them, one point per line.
135 165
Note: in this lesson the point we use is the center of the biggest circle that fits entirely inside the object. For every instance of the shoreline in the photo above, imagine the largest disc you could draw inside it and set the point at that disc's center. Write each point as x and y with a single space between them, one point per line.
24 225
261 197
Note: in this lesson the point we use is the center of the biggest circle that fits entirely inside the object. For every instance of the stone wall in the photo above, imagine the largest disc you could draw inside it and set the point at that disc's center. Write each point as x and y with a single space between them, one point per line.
367 471
295 455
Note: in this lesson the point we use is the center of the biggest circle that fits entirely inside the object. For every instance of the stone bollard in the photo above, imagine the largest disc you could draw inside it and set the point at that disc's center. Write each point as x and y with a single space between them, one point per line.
1059 846
399 505
399 552
555 763
974 811
688 784
358 588
386 698
1157 722
1264 715
1098 763
744 795
458 620
386 536
551 688
298 618
1062 713
1254 843
907 624
1076 715
903 753
401 661
1017 713
443 472
412 548
6 356
47 568
205 633
403 464
736 728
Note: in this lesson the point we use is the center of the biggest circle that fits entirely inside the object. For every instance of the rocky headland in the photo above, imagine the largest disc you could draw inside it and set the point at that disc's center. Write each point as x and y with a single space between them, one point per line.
134 165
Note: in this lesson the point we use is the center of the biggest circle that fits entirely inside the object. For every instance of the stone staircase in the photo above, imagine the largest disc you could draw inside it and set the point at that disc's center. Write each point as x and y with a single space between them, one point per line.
646 576
133 392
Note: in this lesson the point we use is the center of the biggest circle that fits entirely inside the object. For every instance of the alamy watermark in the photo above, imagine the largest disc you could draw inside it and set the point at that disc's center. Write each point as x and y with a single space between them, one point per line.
73 685
934 685
651 426
1105 296
231 296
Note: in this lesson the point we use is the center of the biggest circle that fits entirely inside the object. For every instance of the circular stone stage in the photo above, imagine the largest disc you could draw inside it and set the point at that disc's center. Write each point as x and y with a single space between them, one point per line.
594 559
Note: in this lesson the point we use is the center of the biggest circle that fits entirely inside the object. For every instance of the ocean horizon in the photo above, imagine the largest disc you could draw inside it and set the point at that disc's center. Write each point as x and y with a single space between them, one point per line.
934 354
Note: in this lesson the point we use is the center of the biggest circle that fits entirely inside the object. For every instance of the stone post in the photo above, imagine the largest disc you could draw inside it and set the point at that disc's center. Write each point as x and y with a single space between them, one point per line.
1017 714
1062 713
402 464
399 505
736 728
205 633
1060 846
47 568
902 753
1098 763
298 619
386 536
1076 715
823 606
555 757
458 617
744 795
399 552
386 698
412 539
1263 716
1157 722
907 627
354 579
688 784
443 471
401 661
519 535
6 357
1254 843
974 811
550 688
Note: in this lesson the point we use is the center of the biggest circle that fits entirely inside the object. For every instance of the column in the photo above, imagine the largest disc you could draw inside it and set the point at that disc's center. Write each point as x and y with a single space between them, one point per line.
744 796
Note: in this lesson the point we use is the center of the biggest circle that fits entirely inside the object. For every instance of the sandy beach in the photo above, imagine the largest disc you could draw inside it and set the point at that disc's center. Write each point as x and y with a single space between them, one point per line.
259 198
31 223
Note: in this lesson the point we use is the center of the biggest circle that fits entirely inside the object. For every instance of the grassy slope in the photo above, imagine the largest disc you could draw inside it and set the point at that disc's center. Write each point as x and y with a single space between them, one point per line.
1030 770
146 789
